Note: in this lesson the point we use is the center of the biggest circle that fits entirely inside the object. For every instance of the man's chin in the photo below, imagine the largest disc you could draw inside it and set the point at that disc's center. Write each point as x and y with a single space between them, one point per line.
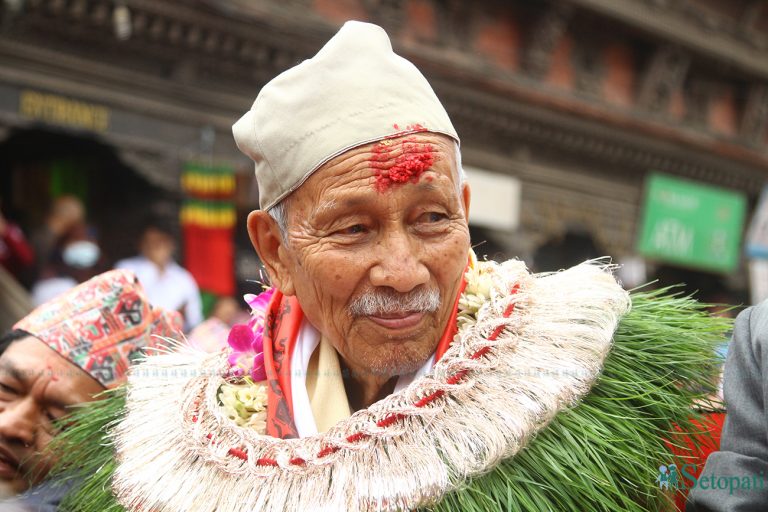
409 367
11 488
389 354
396 366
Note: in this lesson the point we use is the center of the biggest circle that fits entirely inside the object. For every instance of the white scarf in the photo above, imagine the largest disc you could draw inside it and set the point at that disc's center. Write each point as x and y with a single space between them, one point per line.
307 342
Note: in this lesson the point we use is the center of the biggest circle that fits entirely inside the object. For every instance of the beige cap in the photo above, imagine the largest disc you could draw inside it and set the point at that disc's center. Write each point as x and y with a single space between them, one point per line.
356 90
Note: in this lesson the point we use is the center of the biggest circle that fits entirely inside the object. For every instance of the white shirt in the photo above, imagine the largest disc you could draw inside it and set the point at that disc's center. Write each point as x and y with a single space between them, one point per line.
49 289
174 289
307 341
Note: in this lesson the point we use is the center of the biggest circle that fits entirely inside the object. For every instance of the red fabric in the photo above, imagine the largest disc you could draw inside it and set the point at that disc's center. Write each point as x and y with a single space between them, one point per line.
283 321
209 255
698 446
453 327
16 254
281 328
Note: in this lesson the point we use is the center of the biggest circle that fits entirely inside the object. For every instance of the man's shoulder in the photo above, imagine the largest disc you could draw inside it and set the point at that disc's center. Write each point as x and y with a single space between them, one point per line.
753 321
749 343
757 315
180 272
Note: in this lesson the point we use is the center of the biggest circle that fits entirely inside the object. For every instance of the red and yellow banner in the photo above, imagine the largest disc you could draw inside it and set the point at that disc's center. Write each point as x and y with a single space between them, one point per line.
208 218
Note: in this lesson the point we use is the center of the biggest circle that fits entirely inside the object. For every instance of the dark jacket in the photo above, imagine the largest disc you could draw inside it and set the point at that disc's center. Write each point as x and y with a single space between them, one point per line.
735 479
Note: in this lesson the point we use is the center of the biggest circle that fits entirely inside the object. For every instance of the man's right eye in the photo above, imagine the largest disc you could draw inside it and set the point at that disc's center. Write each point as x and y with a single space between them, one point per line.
5 389
355 229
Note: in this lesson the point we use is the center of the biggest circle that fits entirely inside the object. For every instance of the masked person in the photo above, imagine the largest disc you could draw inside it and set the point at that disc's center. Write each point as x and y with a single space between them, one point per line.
79 259
62 354
67 213
386 366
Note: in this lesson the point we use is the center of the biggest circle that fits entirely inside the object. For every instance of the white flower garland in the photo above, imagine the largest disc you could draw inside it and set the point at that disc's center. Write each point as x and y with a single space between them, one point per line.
479 279
245 404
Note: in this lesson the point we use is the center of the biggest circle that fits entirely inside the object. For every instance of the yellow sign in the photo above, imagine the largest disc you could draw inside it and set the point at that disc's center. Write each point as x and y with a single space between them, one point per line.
57 109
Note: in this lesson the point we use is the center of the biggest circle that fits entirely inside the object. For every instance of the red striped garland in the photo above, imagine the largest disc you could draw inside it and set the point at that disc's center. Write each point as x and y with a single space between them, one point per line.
389 420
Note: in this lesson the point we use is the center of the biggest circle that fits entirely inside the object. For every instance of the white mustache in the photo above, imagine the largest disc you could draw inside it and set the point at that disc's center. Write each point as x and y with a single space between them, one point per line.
387 302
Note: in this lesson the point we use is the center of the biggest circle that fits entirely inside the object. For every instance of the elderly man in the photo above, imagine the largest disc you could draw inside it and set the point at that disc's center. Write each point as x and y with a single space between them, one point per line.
374 243
65 353
386 366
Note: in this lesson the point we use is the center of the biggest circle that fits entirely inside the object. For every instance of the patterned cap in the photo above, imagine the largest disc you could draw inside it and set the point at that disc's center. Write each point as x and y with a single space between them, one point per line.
102 325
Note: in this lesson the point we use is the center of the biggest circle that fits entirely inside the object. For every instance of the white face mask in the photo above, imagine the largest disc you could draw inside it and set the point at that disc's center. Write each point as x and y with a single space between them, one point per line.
82 254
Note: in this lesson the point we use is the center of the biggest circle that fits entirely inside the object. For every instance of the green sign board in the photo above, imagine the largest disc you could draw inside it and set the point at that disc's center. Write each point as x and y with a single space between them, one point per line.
691 224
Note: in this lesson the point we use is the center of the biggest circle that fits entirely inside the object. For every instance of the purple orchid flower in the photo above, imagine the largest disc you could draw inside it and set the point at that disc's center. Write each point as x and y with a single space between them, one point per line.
246 341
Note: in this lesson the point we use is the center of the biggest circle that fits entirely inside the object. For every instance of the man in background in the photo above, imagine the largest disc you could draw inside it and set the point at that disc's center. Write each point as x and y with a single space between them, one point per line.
64 353
211 335
77 259
67 213
742 459
167 284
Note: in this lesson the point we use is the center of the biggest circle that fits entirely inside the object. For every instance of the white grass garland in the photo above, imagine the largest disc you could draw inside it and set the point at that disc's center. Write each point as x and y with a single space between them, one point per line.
549 355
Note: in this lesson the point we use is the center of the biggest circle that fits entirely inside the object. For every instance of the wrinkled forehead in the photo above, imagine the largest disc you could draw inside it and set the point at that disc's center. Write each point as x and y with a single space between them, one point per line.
438 143
389 164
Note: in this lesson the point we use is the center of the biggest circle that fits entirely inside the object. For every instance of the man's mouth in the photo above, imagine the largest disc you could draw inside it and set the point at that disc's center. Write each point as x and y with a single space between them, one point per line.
398 320
9 464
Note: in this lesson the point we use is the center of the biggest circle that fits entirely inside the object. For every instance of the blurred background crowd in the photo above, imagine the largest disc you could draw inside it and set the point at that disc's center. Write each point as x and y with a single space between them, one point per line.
630 128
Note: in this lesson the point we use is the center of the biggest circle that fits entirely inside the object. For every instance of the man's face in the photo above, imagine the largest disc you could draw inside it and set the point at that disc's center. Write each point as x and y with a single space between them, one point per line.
36 387
354 233
157 246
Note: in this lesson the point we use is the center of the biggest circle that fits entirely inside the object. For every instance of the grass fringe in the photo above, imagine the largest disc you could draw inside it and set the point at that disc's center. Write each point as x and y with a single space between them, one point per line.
601 455
604 454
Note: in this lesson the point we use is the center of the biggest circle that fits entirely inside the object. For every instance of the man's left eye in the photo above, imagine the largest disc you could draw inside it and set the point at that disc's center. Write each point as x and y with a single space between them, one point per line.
355 229
432 217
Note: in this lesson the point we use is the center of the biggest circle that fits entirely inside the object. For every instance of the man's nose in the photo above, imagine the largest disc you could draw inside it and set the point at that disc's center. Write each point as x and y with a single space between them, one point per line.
19 422
398 264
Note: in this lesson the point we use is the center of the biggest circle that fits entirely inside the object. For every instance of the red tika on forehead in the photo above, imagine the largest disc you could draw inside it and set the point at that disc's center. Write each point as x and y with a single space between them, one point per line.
416 127
414 160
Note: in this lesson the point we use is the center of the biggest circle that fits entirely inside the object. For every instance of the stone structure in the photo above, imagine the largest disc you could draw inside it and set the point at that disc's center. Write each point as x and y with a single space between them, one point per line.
579 99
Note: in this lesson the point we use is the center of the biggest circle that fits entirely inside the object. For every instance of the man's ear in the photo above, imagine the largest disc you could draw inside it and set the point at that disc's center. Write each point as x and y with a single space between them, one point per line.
268 241
466 195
